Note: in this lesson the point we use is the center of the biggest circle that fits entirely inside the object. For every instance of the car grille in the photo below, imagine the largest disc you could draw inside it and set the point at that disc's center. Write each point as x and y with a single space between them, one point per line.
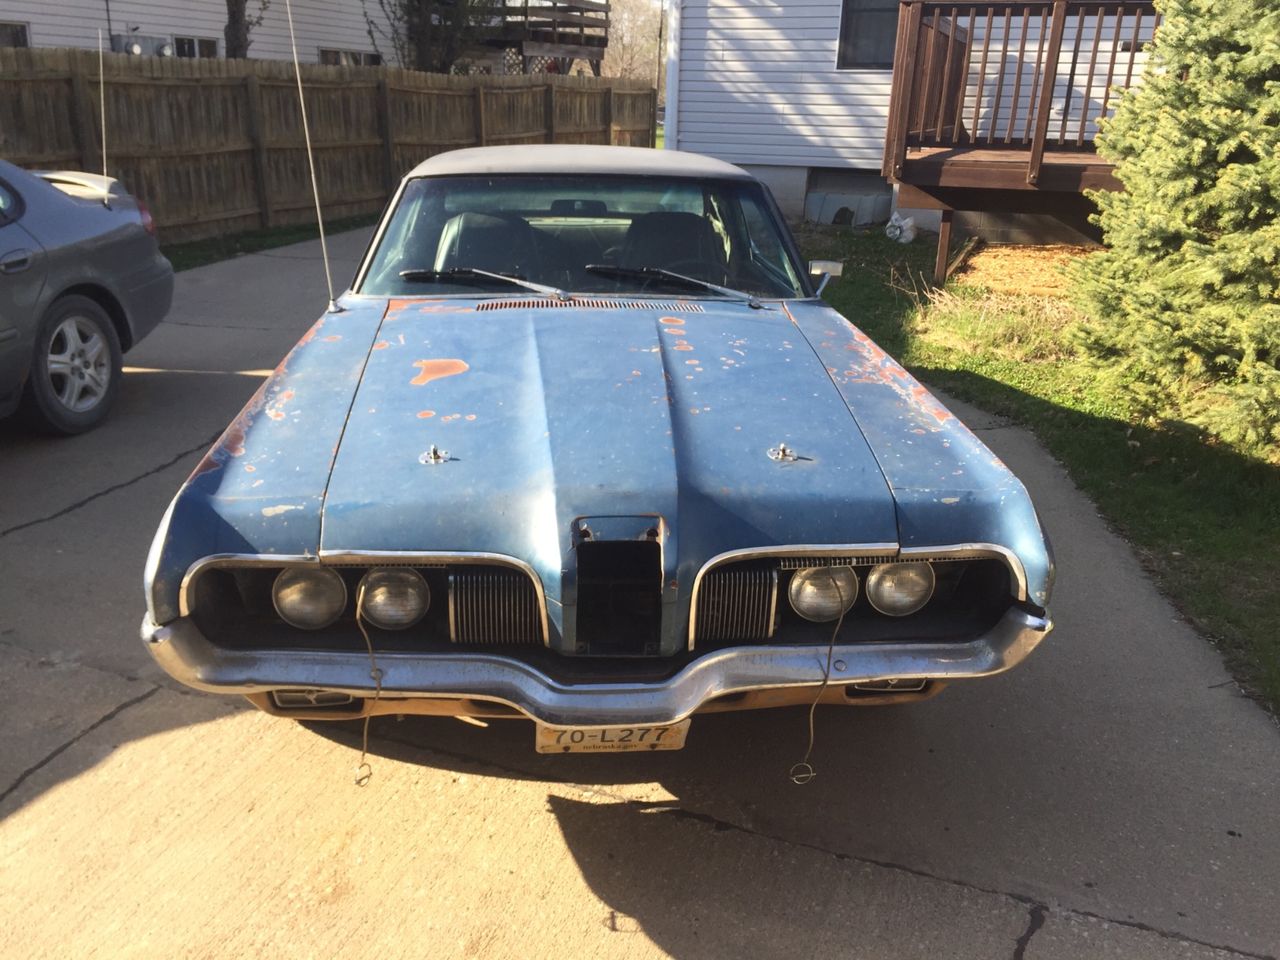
738 603
494 608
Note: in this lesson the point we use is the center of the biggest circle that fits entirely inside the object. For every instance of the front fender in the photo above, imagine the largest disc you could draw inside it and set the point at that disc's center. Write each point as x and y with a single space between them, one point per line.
260 488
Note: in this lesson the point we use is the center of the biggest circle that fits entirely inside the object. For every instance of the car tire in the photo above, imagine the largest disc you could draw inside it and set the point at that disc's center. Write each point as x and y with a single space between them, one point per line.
75 370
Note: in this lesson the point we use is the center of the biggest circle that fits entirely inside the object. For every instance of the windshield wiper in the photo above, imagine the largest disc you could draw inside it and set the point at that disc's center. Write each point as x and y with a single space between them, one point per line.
465 274
645 273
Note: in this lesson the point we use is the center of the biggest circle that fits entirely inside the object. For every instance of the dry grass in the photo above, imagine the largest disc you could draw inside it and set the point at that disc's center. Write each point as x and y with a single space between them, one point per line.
1030 271
1011 326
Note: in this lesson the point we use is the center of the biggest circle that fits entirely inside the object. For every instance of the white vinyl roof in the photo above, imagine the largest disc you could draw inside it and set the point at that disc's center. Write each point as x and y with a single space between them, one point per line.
548 159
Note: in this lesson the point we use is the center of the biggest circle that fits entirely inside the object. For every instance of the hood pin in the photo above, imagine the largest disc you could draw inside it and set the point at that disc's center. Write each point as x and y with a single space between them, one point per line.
434 456
783 454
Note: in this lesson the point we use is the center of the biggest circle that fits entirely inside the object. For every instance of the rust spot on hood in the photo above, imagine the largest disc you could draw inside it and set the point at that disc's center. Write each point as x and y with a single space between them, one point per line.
397 306
429 370
673 321
426 414
381 345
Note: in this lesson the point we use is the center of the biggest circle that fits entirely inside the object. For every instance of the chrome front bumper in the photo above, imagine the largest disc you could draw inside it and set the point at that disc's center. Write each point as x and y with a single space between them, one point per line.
184 653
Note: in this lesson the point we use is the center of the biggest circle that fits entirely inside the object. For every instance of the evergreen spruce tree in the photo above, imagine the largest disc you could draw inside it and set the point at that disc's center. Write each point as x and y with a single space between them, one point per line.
1185 300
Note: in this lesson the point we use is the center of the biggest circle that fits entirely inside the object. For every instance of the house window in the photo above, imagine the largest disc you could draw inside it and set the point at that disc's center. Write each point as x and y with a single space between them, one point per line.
868 34
14 35
349 58
195 47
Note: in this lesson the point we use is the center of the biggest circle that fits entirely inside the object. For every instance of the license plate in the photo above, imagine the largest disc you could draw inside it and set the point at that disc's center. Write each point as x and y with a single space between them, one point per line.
610 739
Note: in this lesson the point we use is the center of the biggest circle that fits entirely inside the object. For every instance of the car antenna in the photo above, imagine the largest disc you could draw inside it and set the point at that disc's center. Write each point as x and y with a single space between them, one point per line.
311 162
102 110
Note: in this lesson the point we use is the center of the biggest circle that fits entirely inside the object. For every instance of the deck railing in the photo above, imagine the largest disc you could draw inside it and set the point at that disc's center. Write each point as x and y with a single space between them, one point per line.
580 23
1030 76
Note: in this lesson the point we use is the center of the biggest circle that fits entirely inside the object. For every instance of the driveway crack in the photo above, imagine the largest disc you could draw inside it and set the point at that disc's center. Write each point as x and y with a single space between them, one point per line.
57 751
203 445
1039 910
1035 921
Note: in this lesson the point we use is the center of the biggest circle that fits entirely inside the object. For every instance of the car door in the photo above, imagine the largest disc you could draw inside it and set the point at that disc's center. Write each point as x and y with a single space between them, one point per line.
22 278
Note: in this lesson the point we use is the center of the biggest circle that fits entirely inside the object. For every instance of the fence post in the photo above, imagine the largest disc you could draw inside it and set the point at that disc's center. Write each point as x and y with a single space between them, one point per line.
653 117
551 113
83 110
480 131
608 115
253 95
388 134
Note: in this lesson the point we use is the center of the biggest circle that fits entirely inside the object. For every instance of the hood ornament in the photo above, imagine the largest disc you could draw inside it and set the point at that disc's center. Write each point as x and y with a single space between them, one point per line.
434 456
783 454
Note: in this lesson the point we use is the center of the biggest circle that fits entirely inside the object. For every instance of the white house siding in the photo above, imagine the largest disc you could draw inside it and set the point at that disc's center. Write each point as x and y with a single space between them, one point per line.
757 82
758 85
331 24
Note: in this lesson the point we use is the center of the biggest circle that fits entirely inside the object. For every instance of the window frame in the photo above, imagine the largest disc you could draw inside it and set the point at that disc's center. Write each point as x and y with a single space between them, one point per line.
195 46
26 32
365 56
852 8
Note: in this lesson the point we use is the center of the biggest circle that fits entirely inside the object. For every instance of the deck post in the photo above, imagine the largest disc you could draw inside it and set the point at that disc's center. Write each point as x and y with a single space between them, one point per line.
902 86
944 248
1045 102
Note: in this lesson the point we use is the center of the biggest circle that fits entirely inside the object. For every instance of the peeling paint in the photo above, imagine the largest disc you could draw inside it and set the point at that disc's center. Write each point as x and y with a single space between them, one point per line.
429 370
277 510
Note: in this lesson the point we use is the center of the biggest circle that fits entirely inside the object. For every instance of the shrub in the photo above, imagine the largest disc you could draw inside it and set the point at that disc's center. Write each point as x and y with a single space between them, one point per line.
1185 299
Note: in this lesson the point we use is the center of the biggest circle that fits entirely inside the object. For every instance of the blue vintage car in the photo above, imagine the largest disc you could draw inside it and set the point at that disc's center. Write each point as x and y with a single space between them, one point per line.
582 445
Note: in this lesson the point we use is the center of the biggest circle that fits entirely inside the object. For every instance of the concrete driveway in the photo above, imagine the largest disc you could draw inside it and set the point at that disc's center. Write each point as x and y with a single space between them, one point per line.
1114 797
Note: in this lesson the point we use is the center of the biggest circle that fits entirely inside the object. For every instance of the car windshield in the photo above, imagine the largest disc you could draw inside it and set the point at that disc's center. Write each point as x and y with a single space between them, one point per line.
585 234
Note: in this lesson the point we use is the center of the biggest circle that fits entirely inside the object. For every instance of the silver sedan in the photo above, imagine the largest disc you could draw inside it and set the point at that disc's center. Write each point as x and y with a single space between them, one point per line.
82 280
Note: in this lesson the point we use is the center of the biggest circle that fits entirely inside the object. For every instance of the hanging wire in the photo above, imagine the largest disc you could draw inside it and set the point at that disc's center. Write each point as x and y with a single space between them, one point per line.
364 772
803 772
311 160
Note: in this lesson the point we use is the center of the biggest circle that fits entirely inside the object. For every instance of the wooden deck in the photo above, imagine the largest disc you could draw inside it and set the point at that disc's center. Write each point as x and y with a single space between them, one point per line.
994 106
561 30
983 168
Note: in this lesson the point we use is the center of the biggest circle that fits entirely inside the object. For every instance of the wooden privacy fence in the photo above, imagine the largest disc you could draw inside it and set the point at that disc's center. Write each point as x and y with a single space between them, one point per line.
216 146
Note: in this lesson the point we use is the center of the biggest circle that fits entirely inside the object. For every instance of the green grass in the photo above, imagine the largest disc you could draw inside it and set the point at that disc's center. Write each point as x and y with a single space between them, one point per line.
198 253
1202 516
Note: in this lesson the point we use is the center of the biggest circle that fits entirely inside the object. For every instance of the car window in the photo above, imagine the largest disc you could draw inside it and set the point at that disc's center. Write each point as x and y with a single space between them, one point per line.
591 234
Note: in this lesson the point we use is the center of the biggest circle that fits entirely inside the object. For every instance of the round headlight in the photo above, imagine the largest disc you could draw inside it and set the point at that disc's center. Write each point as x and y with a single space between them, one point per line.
900 589
821 594
309 598
393 598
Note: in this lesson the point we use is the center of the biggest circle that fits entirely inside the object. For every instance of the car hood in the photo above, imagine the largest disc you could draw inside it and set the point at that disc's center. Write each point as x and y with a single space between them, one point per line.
542 414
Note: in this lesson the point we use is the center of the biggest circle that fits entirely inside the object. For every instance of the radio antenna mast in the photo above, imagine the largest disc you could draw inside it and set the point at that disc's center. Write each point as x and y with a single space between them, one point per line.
102 102
311 161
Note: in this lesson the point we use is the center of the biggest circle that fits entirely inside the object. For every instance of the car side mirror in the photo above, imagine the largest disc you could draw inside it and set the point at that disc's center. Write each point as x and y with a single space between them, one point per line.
826 270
